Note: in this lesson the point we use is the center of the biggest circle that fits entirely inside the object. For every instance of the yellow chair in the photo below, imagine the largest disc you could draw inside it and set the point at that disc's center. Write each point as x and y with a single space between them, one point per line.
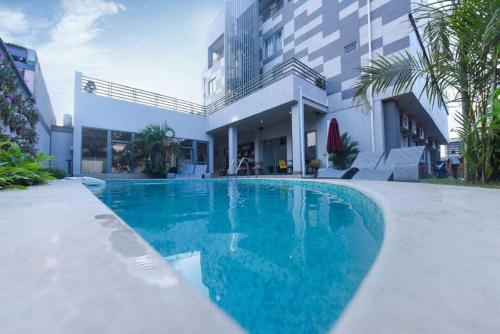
283 165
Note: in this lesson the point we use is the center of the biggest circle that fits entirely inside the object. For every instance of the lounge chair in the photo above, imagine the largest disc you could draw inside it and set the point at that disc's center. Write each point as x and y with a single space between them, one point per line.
402 164
186 171
199 171
364 160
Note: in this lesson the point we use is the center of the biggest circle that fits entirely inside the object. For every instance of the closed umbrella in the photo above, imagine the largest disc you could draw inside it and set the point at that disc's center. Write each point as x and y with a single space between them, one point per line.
334 143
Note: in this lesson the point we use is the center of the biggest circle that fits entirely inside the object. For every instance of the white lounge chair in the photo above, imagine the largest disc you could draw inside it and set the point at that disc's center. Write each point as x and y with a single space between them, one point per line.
186 171
368 160
199 171
402 164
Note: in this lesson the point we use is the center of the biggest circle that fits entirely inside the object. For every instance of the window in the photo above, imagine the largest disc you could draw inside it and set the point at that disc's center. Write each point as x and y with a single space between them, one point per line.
19 59
278 41
211 87
186 143
310 146
217 56
273 44
268 47
120 153
94 150
202 153
187 152
349 48
121 136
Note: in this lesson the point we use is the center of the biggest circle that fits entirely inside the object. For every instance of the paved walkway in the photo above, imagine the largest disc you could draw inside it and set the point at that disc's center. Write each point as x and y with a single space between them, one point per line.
69 265
438 270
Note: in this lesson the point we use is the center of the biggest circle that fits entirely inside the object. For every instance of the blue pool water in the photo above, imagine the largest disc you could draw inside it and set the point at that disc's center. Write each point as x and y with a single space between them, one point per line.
278 256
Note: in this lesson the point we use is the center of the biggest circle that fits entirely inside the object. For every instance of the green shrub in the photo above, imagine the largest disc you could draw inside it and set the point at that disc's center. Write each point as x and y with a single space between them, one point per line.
349 152
55 172
19 169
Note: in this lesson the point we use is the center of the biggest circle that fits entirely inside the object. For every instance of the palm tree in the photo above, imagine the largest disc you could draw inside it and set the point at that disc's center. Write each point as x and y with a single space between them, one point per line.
462 42
155 146
346 156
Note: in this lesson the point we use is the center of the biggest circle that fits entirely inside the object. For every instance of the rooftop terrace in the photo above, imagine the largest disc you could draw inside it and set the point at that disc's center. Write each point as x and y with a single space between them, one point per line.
136 95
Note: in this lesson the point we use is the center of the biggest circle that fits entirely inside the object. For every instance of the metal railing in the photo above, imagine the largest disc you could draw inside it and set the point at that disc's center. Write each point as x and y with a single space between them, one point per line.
286 68
122 92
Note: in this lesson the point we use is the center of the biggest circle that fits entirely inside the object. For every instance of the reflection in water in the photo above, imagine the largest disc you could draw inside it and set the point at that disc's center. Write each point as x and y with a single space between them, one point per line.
278 258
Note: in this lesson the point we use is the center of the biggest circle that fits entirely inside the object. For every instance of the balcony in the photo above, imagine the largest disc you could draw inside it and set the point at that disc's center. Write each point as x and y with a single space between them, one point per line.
289 67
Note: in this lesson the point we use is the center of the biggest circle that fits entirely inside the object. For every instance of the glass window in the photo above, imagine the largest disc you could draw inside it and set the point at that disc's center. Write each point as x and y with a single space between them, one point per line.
202 152
350 47
211 87
186 143
268 47
121 161
120 158
278 41
217 56
94 150
121 136
186 156
310 146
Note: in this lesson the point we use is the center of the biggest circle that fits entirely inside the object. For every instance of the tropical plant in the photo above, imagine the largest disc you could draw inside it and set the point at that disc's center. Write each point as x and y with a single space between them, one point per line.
19 169
90 87
55 172
346 156
461 38
18 113
155 147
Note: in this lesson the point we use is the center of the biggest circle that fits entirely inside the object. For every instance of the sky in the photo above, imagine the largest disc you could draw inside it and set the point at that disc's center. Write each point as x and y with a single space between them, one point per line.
156 45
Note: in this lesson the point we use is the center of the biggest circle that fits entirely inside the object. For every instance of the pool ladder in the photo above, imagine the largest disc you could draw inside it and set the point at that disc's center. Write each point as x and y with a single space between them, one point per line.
245 160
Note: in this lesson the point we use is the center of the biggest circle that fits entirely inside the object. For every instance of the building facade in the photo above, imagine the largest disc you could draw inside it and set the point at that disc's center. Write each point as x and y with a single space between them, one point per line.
277 72
28 66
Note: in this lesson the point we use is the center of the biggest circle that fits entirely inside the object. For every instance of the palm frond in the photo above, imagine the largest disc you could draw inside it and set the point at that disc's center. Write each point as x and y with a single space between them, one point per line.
398 73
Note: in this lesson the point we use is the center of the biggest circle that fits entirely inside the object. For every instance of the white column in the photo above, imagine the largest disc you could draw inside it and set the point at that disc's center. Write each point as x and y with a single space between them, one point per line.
298 137
256 146
77 129
232 135
302 136
211 154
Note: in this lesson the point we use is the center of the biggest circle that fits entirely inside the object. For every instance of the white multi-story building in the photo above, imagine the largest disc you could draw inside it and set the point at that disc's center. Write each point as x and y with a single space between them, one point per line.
277 72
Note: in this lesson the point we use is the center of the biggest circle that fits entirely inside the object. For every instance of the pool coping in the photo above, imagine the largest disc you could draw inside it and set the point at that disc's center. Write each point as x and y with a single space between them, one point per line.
421 281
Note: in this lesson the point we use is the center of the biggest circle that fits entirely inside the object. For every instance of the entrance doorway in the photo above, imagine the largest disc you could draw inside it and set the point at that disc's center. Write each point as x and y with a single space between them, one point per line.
274 151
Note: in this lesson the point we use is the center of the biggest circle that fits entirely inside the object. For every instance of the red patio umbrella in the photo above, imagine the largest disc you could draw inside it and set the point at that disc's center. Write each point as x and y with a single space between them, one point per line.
333 143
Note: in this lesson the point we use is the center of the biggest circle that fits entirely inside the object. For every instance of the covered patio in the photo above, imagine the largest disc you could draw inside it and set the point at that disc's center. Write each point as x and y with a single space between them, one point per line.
271 142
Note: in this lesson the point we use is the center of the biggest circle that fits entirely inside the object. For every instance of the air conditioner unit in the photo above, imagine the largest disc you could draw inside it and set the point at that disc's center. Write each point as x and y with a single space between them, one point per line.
413 127
421 134
405 123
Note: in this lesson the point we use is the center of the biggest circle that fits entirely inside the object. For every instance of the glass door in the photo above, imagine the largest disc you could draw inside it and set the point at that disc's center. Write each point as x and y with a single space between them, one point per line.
274 151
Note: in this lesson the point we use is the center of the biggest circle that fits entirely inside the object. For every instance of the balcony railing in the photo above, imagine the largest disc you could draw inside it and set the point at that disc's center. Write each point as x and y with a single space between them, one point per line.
126 93
291 66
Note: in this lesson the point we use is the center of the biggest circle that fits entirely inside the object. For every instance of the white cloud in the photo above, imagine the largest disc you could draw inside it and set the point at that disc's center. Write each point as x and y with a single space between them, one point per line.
12 23
72 46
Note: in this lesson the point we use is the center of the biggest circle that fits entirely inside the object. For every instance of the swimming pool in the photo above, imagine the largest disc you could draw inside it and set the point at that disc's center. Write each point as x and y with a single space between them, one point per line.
278 256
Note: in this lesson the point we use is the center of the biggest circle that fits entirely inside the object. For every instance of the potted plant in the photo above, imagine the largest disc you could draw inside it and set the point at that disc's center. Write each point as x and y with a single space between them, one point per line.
349 152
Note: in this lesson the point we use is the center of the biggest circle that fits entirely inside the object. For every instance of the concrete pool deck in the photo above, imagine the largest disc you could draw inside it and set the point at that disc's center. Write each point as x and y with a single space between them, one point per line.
71 265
